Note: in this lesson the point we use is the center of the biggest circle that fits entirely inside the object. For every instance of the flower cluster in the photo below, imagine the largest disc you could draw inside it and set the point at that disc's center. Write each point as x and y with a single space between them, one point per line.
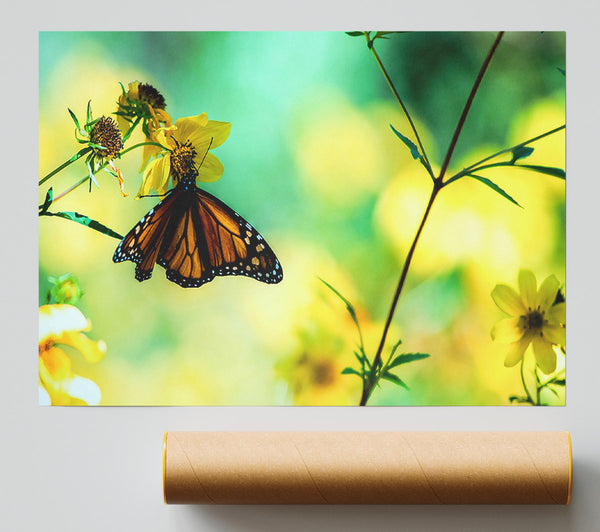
171 150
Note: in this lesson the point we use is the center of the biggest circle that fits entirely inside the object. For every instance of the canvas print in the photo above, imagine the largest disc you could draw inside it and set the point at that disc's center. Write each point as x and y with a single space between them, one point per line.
302 218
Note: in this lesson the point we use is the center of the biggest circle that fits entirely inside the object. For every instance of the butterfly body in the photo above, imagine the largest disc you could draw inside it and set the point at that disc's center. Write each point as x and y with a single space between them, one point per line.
196 237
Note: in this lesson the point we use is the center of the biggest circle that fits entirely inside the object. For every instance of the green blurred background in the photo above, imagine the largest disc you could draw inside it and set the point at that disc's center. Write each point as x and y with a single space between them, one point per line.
312 163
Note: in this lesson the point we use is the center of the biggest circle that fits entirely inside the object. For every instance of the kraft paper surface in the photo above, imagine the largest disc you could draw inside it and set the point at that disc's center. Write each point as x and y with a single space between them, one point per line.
367 467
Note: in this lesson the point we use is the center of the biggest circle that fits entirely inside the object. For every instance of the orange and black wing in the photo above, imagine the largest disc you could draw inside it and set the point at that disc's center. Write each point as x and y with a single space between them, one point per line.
142 244
210 239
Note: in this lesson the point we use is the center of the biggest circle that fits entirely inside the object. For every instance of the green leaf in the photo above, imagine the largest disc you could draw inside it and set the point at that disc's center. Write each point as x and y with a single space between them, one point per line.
414 151
89 112
351 371
383 34
562 71
552 390
349 305
560 382
74 118
47 201
405 358
395 379
520 153
519 399
84 220
362 359
494 187
355 33
548 170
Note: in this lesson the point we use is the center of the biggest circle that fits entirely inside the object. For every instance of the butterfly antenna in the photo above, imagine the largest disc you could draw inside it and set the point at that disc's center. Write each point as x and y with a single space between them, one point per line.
206 152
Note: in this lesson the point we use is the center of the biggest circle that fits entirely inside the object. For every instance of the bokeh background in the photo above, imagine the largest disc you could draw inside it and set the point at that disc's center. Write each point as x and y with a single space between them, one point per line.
312 163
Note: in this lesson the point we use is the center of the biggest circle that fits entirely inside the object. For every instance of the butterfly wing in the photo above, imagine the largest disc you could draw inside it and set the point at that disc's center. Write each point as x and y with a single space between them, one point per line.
211 239
142 244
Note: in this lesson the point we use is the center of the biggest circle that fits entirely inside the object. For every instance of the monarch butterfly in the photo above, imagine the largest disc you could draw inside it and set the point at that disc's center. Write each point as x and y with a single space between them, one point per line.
195 237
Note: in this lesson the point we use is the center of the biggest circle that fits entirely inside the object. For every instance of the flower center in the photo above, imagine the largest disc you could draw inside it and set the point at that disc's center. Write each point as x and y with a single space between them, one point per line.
182 162
534 320
151 96
106 134
323 373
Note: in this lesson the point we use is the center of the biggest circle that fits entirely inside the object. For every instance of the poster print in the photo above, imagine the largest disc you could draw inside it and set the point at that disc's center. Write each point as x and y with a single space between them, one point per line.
302 218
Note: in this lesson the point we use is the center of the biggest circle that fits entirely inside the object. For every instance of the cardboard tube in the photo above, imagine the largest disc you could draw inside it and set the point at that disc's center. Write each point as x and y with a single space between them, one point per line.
367 468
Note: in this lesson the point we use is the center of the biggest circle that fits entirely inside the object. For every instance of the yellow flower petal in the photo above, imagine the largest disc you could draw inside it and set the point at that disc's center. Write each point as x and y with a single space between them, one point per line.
164 136
165 117
55 319
211 169
547 292
544 354
122 122
133 90
507 331
92 351
555 334
557 313
54 365
156 177
508 300
528 288
218 132
148 151
190 128
516 351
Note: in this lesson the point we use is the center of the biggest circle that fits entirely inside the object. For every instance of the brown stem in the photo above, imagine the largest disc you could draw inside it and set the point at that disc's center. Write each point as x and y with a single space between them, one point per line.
465 112
369 383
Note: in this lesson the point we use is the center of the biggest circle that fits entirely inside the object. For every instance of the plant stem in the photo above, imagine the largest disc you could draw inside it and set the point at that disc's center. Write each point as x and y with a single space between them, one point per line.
371 381
524 385
399 100
465 112
78 155
70 189
139 145
369 384
476 166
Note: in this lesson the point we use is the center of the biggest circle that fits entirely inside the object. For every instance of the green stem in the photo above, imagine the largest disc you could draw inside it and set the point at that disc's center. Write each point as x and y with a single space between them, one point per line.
75 157
465 112
524 385
538 388
475 166
70 189
370 383
550 379
85 179
139 145
370 44
130 130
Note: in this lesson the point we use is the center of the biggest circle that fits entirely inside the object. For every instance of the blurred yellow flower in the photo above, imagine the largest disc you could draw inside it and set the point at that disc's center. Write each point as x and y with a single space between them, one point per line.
187 141
535 319
63 324
143 102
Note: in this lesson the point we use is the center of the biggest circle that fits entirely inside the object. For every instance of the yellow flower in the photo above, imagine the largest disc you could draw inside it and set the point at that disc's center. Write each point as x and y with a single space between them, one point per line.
143 102
187 143
536 319
63 324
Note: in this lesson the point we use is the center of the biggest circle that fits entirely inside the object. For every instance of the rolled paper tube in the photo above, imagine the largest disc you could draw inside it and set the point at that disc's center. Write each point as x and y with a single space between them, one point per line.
367 467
